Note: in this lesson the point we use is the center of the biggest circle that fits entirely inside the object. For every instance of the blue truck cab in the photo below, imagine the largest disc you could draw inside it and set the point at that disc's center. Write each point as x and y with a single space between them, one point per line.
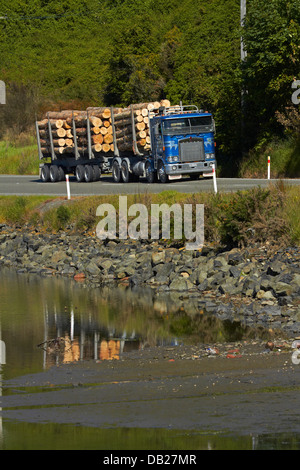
182 143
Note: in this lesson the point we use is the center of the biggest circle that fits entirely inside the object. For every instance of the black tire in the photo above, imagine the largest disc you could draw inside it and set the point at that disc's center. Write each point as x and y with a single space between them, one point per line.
53 173
88 173
150 175
79 173
125 172
61 173
96 172
162 175
116 172
45 173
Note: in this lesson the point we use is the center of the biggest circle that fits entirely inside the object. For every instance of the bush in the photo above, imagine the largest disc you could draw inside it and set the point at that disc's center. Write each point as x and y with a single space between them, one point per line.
15 210
63 215
254 215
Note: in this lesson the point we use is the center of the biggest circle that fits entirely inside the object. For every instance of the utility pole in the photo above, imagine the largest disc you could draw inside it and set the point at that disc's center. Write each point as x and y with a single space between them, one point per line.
2 84
243 15
243 56
2 93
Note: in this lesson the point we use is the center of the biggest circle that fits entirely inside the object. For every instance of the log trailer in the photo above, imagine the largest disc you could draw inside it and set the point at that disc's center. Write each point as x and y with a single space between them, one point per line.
181 143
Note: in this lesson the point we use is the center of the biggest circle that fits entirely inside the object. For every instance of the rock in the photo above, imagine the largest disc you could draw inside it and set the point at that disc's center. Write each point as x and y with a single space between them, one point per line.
68 271
283 289
179 284
264 295
235 272
92 268
228 288
249 288
144 258
164 269
201 275
145 273
203 286
158 257
219 262
275 268
79 276
58 256
105 264
184 274
235 258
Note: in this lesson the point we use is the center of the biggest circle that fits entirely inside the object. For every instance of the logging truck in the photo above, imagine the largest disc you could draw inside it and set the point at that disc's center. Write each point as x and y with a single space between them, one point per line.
146 140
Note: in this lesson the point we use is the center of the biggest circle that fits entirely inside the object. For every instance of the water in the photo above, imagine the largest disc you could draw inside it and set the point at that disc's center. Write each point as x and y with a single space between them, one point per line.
94 326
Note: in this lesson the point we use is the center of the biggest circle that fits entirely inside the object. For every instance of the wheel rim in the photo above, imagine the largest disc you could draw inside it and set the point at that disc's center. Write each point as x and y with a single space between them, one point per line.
124 171
87 175
53 175
44 175
116 172
79 175
148 172
162 173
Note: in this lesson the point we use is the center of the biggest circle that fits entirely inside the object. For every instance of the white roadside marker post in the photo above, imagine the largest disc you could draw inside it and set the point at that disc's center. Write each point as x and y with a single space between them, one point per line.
68 187
214 178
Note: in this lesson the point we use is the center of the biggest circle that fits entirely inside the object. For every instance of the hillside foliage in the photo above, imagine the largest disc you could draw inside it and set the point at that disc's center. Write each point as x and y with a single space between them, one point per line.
62 54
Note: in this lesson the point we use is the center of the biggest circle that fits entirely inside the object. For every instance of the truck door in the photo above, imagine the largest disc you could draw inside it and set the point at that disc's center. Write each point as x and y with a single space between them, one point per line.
159 140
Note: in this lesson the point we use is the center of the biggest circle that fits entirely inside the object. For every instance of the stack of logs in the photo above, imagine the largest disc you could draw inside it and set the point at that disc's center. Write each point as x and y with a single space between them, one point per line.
61 123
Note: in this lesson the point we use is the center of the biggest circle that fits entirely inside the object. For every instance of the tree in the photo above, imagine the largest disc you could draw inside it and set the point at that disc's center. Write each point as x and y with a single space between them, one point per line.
271 36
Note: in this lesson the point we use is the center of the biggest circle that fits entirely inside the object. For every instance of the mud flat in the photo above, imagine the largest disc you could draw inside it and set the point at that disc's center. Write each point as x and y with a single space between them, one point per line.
239 389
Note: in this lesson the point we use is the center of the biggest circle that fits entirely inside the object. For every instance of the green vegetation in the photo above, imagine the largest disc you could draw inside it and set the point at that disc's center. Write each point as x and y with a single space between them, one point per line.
231 219
58 55
285 160
16 160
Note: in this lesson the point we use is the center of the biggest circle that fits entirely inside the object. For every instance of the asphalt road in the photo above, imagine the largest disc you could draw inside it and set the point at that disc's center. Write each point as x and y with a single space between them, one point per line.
31 185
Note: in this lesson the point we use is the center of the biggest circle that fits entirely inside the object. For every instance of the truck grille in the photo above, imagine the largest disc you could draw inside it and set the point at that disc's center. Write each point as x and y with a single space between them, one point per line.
191 150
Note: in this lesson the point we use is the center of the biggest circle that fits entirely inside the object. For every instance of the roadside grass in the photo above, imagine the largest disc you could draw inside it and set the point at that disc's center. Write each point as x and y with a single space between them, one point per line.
19 160
257 215
285 160
20 209
293 213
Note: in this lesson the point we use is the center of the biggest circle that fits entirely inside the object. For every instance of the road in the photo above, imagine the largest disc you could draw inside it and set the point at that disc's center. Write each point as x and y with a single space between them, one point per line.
31 185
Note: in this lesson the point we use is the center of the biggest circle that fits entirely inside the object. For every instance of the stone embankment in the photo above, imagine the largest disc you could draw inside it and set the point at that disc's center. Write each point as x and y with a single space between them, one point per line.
257 285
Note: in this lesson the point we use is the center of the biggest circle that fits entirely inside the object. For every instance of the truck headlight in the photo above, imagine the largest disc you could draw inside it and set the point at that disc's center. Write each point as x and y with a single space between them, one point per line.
209 156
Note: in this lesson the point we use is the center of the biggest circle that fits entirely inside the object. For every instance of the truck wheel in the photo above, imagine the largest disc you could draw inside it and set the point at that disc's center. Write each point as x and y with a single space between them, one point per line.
116 173
79 173
125 172
150 175
88 173
96 172
53 173
45 174
162 175
61 173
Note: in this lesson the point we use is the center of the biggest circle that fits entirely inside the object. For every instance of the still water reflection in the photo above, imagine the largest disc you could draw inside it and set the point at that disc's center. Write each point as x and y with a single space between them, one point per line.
46 321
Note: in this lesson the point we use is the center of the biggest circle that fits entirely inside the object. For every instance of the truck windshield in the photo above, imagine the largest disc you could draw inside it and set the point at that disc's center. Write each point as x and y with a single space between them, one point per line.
187 125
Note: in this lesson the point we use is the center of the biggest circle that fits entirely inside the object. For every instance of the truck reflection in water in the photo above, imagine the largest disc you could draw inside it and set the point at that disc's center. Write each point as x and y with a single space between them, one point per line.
70 340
